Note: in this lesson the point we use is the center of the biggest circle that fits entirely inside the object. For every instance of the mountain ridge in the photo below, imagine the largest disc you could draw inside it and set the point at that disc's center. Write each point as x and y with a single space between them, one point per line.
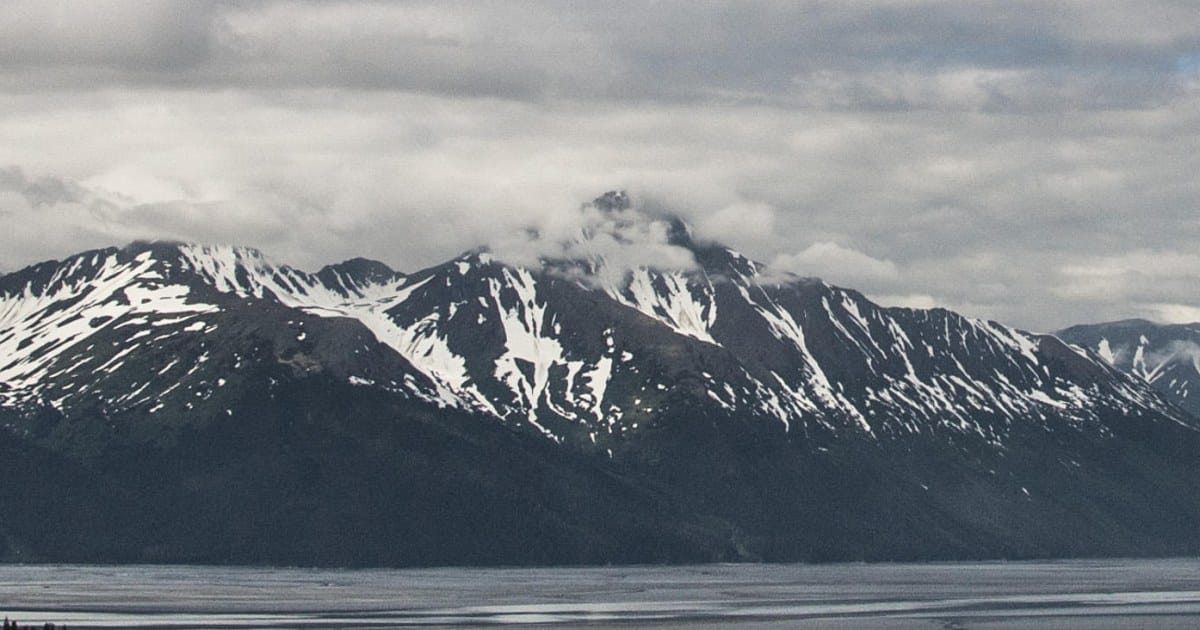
1167 356
687 304
716 411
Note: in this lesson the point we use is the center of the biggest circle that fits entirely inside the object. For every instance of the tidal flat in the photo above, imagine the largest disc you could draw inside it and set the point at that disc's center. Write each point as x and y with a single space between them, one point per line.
1066 594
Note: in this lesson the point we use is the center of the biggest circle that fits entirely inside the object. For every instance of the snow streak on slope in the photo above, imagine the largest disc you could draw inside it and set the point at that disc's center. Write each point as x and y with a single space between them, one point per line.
420 329
785 328
1166 356
423 343
897 371
92 293
247 273
684 302
522 337
527 345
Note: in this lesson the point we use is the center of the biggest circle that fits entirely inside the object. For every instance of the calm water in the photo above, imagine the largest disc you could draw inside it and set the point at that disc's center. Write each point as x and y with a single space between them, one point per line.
1088 594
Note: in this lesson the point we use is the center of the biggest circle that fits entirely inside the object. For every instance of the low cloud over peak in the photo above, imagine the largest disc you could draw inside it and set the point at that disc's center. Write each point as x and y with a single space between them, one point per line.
609 236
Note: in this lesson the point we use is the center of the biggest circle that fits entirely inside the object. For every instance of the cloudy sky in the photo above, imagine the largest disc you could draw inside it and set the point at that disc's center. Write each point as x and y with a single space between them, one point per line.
1034 163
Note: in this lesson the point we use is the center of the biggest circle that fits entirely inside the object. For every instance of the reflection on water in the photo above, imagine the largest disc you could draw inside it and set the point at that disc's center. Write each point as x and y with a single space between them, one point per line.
1079 594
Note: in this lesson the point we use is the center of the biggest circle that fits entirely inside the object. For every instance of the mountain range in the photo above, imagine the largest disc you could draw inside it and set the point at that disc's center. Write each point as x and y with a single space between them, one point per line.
172 402
1165 355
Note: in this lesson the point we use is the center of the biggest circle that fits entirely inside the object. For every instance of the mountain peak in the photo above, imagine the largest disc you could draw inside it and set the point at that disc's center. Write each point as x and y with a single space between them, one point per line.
612 201
362 270
1131 323
169 248
626 223
1167 356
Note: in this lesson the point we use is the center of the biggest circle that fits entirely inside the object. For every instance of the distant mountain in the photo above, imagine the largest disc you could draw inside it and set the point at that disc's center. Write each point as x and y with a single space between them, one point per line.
178 402
1165 355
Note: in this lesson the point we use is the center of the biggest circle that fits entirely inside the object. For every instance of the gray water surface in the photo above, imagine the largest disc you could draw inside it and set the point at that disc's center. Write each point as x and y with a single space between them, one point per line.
1075 594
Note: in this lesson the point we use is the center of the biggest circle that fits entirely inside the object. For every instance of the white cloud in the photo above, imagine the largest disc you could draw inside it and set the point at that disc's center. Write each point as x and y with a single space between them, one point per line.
610 240
1132 276
1176 314
838 265
751 222
916 300
967 152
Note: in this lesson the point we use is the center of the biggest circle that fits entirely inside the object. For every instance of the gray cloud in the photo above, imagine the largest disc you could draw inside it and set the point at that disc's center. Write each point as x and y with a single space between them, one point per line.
883 55
983 154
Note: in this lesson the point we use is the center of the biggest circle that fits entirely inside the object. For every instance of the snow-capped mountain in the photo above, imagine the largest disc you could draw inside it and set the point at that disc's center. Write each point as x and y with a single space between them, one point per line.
514 343
1165 355
713 408
150 324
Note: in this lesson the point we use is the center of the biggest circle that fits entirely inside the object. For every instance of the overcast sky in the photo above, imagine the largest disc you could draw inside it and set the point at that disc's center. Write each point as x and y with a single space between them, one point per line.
1034 163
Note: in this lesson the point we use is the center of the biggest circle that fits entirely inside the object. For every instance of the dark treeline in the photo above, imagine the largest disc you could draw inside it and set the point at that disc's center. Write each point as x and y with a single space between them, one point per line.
13 625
